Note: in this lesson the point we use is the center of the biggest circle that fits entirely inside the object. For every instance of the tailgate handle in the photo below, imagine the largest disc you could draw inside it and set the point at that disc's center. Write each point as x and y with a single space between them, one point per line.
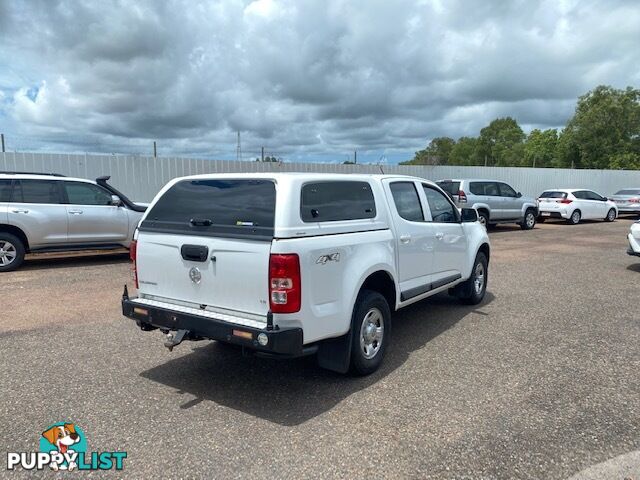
195 253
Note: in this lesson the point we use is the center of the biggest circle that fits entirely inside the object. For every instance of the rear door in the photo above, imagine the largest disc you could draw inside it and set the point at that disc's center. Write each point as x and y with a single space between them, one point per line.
207 242
92 218
414 239
37 208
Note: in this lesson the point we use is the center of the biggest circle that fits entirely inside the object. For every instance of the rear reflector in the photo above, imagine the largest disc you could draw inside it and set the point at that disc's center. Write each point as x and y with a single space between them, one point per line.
141 311
242 334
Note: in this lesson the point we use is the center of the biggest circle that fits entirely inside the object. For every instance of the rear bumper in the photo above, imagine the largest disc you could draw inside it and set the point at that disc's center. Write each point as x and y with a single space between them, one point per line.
553 214
285 342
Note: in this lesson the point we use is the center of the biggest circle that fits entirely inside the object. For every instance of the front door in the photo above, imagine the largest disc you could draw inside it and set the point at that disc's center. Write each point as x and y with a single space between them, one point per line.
414 242
510 201
92 218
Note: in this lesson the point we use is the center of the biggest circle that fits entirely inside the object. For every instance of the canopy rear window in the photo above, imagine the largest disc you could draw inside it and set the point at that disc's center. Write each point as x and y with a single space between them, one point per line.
218 208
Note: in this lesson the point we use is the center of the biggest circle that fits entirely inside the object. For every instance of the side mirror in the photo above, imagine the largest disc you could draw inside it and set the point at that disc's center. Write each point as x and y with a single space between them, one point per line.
469 215
518 195
115 200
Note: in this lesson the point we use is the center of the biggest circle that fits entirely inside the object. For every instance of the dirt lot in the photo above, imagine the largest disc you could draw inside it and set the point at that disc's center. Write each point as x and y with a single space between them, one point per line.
540 381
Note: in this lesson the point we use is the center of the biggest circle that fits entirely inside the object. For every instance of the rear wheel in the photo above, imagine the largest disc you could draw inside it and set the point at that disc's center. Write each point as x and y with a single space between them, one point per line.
370 329
473 290
575 217
11 252
483 218
611 215
529 220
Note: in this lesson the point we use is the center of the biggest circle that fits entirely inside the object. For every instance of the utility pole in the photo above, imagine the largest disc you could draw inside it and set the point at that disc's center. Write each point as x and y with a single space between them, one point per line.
238 149
155 151
2 137
355 156
262 154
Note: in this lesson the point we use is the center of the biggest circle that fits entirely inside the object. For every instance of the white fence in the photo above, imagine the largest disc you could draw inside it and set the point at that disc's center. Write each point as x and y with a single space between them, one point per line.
140 178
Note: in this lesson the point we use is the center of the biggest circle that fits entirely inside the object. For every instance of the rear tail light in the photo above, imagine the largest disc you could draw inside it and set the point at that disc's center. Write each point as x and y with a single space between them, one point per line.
133 255
462 197
634 200
565 201
284 283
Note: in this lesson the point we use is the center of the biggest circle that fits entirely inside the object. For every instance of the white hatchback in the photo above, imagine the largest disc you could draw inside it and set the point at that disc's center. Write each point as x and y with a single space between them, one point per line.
574 205
634 240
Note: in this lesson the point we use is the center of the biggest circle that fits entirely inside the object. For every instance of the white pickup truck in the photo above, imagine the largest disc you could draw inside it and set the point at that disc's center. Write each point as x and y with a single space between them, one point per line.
290 264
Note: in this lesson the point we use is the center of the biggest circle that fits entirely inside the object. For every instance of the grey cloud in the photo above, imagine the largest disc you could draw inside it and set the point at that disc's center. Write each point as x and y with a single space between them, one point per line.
303 77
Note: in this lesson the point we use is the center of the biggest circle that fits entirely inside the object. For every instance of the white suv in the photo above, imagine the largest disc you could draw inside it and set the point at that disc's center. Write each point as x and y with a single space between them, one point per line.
50 212
293 264
574 205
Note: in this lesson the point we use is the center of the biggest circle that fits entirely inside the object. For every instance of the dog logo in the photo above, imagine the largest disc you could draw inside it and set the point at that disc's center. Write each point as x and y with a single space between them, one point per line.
62 437
195 275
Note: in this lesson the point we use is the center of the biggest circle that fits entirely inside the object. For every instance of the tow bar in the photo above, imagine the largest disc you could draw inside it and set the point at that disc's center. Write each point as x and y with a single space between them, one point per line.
173 339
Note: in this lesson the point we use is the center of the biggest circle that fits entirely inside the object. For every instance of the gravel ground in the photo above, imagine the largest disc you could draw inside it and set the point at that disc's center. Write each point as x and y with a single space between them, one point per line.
540 381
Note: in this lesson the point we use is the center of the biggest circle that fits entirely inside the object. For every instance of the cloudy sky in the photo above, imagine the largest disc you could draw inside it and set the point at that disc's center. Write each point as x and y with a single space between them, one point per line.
309 80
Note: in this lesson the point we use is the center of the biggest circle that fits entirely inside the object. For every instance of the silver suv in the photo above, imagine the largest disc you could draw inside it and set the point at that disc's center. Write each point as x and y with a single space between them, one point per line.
50 212
495 201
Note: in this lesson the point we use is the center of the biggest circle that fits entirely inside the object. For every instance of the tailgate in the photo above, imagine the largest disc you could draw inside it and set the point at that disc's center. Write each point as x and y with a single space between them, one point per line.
234 275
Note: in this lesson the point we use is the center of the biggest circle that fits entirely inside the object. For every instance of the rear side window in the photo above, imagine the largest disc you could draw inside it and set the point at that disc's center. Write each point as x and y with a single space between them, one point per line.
37 191
405 196
333 201
5 190
218 208
553 195
450 187
582 195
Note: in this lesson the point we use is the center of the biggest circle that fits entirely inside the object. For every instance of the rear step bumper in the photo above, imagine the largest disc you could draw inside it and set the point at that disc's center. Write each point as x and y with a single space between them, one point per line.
281 341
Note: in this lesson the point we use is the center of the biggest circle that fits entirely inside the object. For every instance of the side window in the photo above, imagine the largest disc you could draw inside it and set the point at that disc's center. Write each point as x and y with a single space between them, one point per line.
581 195
441 209
5 191
79 193
506 190
405 196
334 201
491 189
37 191
593 196
477 188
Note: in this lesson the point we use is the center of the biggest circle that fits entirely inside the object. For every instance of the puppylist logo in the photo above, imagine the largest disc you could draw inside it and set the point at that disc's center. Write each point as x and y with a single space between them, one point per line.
63 446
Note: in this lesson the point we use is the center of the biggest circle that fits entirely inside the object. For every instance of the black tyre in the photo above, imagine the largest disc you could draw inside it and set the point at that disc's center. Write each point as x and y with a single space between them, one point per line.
483 218
370 332
575 217
473 290
11 252
611 215
529 220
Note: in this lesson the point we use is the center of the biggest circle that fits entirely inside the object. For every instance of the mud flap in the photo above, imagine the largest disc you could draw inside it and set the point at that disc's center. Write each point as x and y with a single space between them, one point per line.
335 354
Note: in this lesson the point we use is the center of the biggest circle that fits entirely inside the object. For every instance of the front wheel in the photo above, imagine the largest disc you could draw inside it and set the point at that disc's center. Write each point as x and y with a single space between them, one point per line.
473 290
611 216
370 331
529 220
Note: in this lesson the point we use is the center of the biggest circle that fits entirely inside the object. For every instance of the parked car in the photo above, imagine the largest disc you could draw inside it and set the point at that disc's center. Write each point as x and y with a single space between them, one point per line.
634 240
495 201
293 264
627 200
50 212
574 205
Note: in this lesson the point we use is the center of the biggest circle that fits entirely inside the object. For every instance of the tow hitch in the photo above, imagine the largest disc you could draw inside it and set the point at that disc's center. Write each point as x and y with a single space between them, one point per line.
172 339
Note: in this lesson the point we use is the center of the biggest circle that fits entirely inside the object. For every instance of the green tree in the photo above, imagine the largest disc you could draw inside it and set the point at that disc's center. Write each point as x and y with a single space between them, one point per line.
464 152
540 148
436 153
502 142
606 127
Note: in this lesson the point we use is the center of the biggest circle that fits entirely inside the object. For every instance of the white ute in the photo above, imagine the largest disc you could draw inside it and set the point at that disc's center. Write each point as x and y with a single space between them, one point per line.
290 264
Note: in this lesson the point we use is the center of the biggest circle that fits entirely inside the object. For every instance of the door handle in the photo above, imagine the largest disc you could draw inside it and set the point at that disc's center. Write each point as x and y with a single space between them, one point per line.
439 235
75 212
20 211
405 238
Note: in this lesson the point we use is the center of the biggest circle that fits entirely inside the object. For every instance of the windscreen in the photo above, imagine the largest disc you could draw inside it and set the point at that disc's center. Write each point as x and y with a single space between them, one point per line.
553 195
225 208
629 191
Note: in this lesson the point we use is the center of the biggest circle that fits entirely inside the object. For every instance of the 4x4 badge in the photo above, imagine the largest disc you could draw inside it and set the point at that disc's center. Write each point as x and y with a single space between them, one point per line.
195 275
332 257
